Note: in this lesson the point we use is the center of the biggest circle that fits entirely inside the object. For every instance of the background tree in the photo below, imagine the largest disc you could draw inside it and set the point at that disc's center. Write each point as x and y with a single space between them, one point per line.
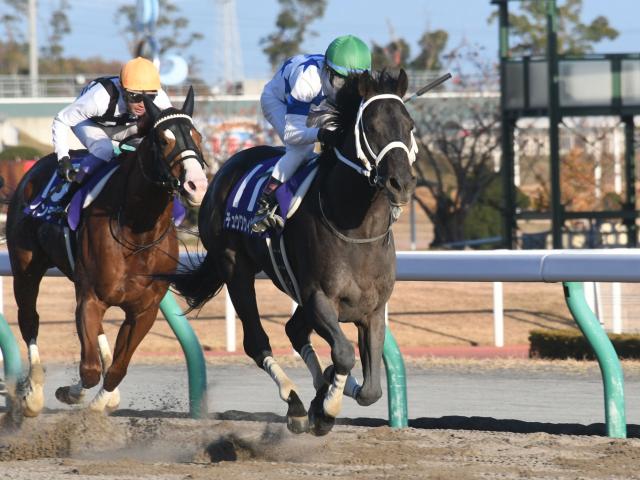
393 55
292 25
432 45
171 30
60 27
13 48
528 29
455 162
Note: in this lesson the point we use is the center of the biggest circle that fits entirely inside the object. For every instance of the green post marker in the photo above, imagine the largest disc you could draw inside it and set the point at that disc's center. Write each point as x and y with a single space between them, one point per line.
196 366
396 382
10 353
610 367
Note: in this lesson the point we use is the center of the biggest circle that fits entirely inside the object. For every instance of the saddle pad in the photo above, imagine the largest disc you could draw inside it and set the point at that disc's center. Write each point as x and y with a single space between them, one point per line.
242 203
48 200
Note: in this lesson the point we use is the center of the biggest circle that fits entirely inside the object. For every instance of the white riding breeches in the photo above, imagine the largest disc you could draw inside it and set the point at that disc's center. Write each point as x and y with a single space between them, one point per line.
274 111
100 140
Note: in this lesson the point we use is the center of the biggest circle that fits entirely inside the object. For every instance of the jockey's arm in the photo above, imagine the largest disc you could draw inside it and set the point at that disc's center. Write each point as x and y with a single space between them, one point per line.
306 88
92 104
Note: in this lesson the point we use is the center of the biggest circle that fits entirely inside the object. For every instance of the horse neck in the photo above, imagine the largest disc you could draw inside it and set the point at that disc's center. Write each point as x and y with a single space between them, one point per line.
351 203
146 206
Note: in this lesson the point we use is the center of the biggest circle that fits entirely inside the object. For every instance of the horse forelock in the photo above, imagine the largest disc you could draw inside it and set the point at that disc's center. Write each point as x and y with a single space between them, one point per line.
344 111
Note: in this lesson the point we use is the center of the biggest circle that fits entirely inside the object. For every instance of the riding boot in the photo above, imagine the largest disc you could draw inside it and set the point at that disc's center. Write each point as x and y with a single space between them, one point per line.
266 216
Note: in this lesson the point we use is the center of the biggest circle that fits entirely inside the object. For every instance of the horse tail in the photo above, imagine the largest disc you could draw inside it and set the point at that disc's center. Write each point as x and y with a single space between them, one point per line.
197 284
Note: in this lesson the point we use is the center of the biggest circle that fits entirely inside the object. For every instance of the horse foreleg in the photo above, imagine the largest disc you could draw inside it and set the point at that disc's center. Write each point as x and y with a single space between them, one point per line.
89 313
135 327
327 404
74 394
106 358
371 344
299 332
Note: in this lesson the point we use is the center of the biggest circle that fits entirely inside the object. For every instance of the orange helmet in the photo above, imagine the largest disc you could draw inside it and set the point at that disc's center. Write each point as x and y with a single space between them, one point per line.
140 74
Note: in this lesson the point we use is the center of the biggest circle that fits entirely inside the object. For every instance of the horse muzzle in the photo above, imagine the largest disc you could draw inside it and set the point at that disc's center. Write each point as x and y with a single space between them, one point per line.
194 185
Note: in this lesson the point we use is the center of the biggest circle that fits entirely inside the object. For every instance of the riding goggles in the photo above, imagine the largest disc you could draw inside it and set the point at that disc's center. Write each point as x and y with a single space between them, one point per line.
136 97
337 81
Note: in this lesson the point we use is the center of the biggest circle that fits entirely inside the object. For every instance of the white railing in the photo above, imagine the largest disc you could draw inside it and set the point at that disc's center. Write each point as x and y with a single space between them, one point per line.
496 266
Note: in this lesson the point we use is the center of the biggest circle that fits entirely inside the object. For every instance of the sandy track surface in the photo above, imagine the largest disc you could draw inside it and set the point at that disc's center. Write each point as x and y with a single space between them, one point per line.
88 446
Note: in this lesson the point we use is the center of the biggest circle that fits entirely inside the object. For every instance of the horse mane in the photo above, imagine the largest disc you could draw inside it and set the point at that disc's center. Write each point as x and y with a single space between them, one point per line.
342 114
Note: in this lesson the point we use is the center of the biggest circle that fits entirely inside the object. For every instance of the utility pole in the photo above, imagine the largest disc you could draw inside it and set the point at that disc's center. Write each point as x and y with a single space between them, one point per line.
33 48
557 214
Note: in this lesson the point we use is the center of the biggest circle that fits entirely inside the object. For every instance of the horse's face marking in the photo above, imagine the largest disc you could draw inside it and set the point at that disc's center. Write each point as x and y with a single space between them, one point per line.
181 147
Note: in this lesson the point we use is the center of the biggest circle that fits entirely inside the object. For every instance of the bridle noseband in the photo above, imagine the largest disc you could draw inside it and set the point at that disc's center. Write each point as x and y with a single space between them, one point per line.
369 167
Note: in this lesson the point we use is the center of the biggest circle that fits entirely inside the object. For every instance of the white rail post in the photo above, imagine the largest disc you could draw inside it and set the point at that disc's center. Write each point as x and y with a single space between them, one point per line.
230 317
498 315
616 314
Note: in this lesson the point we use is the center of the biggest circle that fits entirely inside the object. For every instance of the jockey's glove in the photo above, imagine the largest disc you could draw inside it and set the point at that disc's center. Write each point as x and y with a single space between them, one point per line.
65 169
328 137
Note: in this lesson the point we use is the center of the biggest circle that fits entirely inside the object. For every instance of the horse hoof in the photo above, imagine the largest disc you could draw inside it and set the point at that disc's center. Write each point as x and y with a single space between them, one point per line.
297 419
298 425
114 401
64 395
33 402
319 422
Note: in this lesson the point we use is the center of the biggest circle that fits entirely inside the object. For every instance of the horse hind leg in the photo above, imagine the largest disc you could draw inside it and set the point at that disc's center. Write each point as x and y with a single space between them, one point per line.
327 403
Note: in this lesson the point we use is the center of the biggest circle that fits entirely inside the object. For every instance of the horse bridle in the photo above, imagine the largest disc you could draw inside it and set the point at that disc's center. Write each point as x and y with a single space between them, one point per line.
166 178
369 167
183 149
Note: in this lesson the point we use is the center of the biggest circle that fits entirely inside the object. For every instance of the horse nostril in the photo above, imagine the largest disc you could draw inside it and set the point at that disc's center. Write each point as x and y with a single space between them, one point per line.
190 186
394 184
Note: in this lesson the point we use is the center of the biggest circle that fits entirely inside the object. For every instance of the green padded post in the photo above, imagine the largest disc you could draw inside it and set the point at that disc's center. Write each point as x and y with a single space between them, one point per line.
396 382
610 367
10 353
192 349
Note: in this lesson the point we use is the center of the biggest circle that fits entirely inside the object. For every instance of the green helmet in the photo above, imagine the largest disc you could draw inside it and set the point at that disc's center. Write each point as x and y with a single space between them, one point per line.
348 54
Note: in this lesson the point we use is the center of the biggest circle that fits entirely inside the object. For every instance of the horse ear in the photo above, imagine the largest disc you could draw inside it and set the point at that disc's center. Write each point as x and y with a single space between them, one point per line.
188 102
364 81
151 108
403 83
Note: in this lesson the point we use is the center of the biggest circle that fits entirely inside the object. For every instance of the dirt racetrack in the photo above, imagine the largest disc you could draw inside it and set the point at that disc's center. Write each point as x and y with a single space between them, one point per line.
89 446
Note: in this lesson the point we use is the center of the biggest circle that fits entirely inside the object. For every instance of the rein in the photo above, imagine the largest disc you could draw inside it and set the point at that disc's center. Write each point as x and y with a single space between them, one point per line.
171 183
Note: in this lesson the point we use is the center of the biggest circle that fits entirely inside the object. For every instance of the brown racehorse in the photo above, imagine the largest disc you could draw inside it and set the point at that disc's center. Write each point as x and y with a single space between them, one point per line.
125 234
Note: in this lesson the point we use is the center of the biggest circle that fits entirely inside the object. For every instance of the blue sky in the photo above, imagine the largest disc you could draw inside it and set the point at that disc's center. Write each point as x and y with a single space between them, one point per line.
94 31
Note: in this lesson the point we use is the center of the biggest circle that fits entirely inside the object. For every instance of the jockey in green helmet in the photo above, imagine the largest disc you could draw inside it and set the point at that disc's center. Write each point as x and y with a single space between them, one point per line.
302 81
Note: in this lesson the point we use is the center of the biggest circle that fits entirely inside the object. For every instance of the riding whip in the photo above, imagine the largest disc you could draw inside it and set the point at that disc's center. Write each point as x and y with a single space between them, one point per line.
429 86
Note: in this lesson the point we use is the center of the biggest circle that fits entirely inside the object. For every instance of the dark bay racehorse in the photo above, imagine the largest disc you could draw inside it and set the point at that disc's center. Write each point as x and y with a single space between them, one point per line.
126 234
339 245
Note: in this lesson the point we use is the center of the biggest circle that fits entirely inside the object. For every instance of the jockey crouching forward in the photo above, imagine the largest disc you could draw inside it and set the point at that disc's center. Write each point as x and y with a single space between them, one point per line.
108 110
301 81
